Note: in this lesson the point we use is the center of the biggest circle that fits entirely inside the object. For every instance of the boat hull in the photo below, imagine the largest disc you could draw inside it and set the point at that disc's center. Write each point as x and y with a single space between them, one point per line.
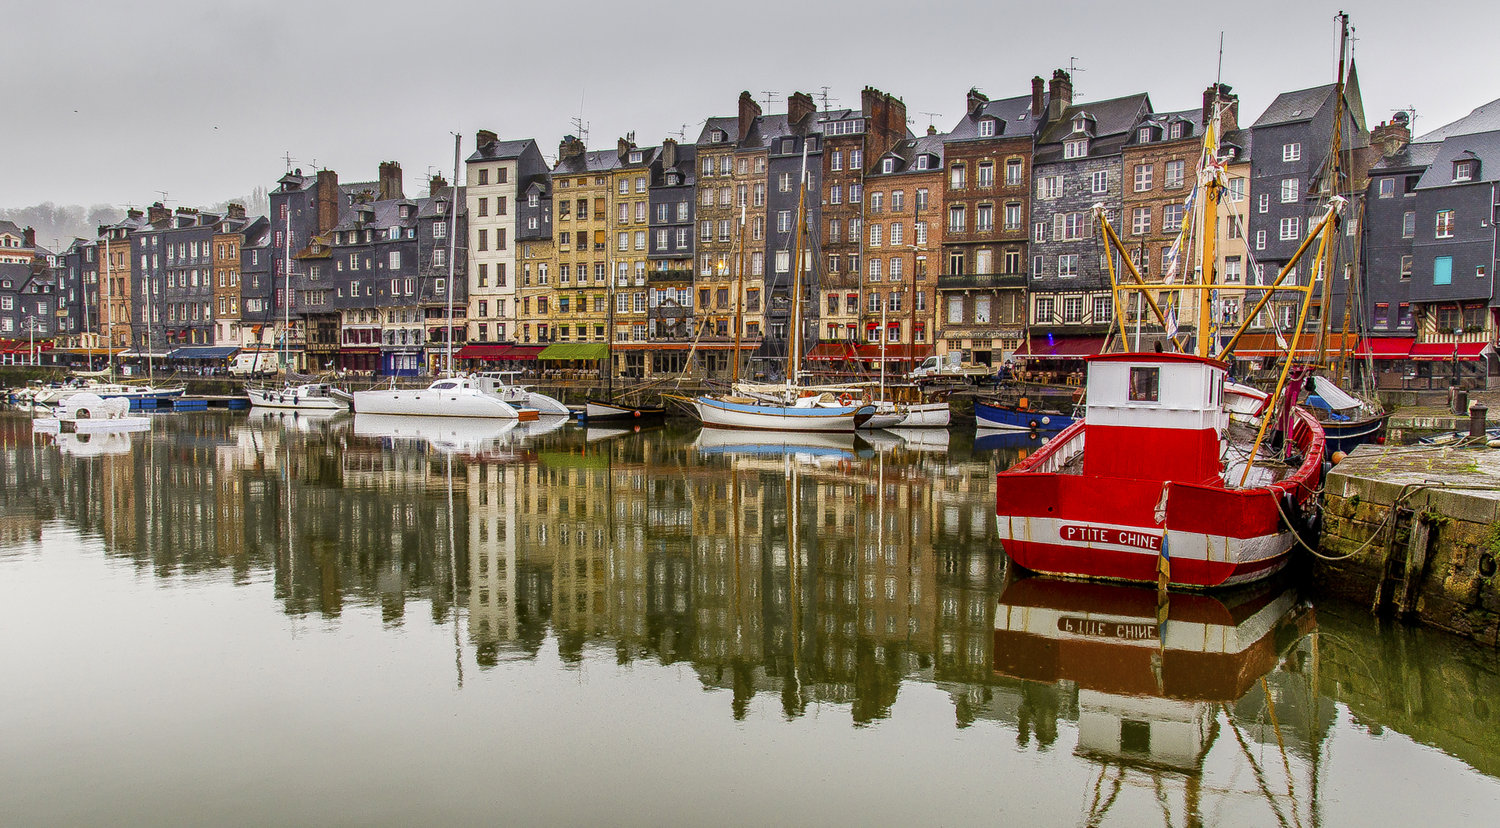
753 417
601 411
1346 435
1124 529
266 398
428 403
1010 418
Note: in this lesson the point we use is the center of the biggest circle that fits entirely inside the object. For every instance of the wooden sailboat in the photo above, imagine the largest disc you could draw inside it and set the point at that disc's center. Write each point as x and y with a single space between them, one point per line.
790 406
1162 481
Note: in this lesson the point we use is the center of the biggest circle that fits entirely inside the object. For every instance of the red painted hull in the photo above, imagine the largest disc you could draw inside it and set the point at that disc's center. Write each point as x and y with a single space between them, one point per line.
1113 527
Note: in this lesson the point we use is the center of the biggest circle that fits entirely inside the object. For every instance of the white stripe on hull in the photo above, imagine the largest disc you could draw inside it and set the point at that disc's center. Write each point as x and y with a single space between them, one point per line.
271 399
1180 545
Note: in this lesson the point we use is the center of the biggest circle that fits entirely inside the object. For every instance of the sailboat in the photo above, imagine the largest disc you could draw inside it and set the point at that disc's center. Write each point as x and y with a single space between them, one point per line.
1162 480
313 396
789 406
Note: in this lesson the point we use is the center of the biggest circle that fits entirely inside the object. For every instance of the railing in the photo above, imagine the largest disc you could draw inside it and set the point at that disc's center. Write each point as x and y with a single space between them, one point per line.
980 280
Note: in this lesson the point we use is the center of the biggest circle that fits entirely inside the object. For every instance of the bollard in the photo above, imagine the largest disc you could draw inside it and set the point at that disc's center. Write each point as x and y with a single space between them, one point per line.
1459 397
1477 416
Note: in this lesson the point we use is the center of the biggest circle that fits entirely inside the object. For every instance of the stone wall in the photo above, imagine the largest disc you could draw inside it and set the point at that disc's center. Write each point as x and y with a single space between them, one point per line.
1433 560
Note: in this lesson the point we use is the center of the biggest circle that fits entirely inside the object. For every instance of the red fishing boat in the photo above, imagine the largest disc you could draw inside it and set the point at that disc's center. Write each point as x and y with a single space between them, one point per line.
1176 475
1156 482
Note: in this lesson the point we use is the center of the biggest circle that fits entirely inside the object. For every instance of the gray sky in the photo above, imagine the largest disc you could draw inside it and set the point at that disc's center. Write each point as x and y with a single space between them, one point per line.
202 100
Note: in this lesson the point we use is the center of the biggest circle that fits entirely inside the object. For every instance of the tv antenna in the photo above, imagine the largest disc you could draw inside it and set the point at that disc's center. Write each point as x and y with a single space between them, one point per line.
1411 117
770 97
163 194
581 127
823 93
932 118
1073 70
288 159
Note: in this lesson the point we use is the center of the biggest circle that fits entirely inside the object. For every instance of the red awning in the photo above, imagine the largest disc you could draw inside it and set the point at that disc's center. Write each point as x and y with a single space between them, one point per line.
1385 347
894 352
359 349
831 351
1470 350
524 351
1430 351
483 352
1265 344
1064 347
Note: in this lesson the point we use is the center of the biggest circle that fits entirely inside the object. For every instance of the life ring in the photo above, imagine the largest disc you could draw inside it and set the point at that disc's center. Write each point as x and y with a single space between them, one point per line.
845 399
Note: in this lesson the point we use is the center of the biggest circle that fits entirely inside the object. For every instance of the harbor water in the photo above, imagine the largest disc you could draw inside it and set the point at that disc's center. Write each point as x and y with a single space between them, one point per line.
283 619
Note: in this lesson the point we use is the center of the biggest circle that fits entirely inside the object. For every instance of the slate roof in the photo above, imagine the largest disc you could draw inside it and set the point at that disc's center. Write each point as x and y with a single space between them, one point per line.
500 150
906 152
729 123
1412 156
1484 146
1014 115
1484 118
589 161
764 130
1295 107
10 227
1163 120
1115 116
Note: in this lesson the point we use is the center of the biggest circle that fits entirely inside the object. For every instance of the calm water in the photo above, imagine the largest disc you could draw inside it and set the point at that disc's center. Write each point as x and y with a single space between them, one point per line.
266 620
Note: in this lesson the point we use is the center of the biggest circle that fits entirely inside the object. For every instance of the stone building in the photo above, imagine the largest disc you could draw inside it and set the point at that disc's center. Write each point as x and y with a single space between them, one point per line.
498 175
670 321
583 202
984 217
902 270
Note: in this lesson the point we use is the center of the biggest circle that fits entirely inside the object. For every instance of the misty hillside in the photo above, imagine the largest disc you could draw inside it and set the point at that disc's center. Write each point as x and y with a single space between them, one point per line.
58 224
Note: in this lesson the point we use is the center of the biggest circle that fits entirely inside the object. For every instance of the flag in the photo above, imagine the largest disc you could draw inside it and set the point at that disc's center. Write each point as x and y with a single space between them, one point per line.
1163 568
1170 317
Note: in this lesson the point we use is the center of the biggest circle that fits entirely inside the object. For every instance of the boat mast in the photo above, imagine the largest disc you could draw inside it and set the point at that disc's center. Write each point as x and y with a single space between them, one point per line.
1212 183
109 319
794 362
452 252
739 295
1334 188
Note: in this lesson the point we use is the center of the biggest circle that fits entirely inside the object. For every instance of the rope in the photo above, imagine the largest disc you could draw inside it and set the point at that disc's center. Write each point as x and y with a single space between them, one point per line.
1389 520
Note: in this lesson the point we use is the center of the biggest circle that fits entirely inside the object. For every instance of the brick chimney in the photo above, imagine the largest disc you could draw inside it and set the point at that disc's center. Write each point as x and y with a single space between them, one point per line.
235 211
186 217
1059 94
437 186
974 100
668 153
749 111
623 146
1392 137
485 138
1038 95
133 213
799 105
390 181
569 147
1229 116
327 201
158 214
28 237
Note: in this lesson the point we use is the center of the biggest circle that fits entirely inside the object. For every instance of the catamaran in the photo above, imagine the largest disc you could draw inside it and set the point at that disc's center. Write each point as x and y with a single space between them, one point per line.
1166 478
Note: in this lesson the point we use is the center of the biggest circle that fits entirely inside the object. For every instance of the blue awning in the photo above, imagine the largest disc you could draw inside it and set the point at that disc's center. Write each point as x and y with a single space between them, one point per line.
205 352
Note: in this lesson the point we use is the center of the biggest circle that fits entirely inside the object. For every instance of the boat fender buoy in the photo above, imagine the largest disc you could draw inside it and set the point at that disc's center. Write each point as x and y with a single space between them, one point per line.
1046 421
1327 467
636 414
1034 424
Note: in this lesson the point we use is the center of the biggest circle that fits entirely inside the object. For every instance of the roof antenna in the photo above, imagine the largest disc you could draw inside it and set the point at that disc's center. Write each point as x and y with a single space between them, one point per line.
770 98
932 118
823 93
1219 75
581 127
288 159
163 194
1073 70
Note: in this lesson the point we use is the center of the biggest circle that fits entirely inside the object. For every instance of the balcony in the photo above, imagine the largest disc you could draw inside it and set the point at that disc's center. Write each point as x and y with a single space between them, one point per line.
682 275
948 281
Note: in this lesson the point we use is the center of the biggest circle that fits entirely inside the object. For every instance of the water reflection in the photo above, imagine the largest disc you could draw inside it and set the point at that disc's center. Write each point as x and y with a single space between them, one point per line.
806 573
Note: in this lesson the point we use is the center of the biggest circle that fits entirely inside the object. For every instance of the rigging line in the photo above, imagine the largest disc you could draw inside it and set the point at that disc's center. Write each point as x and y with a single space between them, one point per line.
1286 765
1260 777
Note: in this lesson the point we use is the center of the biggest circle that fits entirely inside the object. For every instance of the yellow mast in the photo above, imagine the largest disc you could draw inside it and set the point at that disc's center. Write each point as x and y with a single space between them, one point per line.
1212 190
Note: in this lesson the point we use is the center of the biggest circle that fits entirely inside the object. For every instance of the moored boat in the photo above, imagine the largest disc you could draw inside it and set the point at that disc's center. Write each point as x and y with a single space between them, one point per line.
448 397
304 397
603 411
992 414
1155 482
816 412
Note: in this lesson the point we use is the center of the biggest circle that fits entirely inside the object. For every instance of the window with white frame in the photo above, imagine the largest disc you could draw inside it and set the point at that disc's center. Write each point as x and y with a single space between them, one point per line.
955 310
1099 182
1049 186
1044 310
1291 228
1171 218
1288 190
1076 148
987 128
1072 309
1067 265
1143 174
1291 151
1260 240
1264 203
1443 224
1104 310
1140 221
1176 172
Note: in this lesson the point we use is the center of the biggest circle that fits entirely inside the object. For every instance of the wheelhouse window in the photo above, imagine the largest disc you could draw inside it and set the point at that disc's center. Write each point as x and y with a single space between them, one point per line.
1145 384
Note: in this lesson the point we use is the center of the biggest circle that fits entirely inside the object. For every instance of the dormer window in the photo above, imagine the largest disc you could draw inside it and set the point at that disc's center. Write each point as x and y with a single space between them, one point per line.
888 165
1143 135
635 157
924 162
1465 170
1076 149
788 145
987 128
718 136
673 180
1176 130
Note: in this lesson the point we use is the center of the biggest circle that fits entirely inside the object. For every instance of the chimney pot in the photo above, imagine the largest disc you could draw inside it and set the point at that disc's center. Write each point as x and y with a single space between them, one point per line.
1060 94
1038 93
485 138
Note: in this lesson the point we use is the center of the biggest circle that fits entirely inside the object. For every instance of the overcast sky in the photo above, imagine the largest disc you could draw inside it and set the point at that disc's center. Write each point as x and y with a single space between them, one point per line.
112 102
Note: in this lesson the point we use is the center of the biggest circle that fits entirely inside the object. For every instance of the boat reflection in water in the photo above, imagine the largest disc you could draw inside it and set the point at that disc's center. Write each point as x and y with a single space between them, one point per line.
1157 681
810 445
454 435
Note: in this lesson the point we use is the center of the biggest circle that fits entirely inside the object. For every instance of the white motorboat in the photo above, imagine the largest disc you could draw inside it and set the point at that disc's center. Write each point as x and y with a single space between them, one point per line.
314 396
908 415
481 396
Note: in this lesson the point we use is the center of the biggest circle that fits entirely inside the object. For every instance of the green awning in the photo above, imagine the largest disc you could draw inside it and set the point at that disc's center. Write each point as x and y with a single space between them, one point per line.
569 460
575 350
